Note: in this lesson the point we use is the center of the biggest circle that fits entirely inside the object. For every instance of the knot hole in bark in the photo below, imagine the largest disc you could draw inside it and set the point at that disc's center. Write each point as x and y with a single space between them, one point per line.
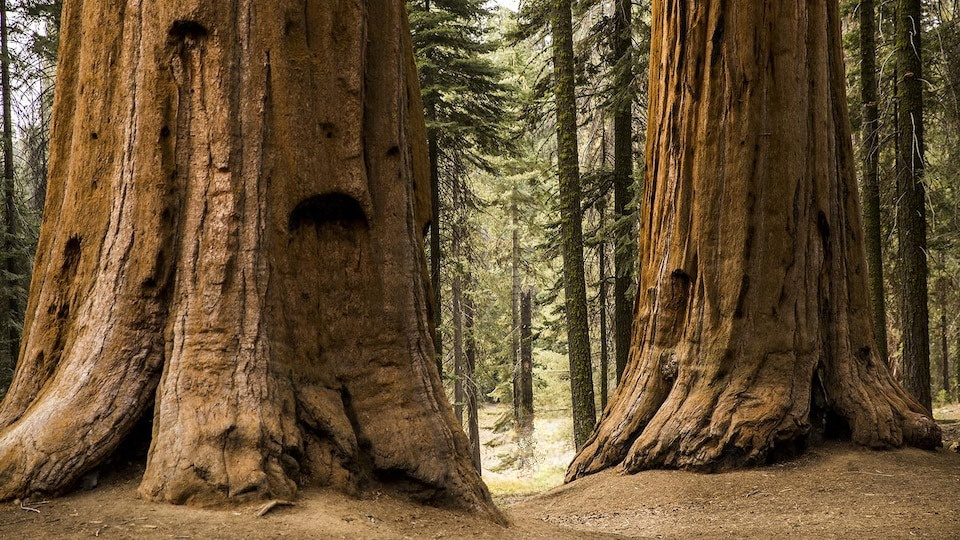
329 130
328 209
675 297
185 38
187 31
71 257
680 282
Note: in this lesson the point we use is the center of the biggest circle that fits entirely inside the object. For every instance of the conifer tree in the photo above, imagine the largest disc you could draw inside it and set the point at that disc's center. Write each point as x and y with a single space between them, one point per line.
464 102
911 209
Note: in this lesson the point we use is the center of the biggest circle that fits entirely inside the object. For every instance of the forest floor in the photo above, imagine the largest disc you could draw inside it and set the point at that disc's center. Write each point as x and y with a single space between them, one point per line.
834 491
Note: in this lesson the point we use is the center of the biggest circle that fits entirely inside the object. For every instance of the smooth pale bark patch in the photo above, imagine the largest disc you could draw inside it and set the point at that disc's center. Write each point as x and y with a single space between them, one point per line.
232 239
752 334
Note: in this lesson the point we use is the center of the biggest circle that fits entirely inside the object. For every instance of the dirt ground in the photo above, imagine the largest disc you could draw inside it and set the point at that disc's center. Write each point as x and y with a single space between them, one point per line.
834 491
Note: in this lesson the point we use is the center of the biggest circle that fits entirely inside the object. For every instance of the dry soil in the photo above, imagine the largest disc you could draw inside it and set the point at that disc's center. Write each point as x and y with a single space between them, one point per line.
834 491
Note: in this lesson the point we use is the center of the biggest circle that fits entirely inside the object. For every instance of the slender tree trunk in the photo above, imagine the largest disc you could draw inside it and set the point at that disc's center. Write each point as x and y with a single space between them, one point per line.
754 330
604 349
571 226
433 156
870 158
456 294
625 241
944 355
456 297
956 366
515 314
433 153
911 205
526 362
11 231
245 259
473 412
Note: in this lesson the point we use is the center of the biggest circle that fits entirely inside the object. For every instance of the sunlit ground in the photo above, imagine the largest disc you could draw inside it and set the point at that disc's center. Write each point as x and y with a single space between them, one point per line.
514 468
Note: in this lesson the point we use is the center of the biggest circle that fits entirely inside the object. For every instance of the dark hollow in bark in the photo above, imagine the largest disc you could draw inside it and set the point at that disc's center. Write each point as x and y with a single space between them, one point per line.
238 249
753 331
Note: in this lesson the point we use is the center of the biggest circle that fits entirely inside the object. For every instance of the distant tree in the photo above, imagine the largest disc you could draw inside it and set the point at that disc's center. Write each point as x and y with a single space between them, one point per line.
870 160
942 167
458 233
944 355
911 204
525 379
754 330
13 264
519 416
571 225
473 411
625 251
602 297
465 106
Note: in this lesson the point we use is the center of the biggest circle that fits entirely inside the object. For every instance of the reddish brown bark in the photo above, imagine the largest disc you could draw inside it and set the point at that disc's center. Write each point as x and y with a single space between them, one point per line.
233 236
753 330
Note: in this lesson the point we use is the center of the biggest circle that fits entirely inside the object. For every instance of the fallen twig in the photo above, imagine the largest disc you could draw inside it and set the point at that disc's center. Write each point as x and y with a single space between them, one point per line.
872 473
267 507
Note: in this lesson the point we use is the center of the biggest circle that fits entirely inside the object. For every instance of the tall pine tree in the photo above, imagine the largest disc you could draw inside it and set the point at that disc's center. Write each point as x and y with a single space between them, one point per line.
464 101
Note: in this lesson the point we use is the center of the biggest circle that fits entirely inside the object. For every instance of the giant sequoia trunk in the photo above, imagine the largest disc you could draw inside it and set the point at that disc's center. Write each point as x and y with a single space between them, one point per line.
232 239
753 330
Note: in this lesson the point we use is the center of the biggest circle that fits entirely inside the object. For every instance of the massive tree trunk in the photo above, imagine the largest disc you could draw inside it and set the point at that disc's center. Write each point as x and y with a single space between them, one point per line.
870 158
911 204
753 327
232 238
571 225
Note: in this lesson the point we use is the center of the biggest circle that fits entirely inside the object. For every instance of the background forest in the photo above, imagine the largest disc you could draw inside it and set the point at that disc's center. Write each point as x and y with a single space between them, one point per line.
536 196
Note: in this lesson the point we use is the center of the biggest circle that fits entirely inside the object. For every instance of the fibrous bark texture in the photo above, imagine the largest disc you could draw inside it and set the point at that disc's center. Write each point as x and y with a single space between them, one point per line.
753 330
232 238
